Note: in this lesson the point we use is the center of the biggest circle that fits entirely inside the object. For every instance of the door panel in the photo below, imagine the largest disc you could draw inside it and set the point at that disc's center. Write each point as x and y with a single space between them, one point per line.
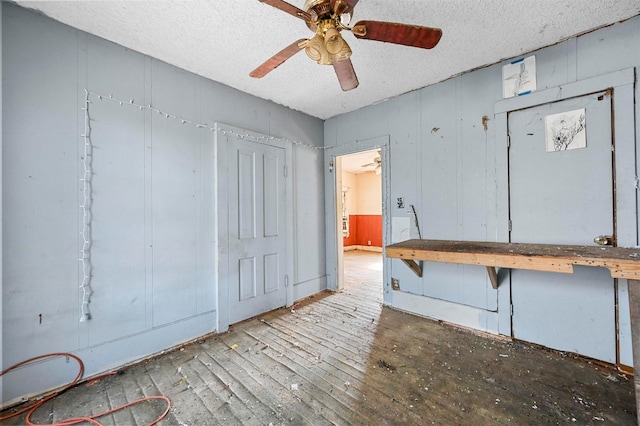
246 208
257 241
247 280
563 197
271 272
272 168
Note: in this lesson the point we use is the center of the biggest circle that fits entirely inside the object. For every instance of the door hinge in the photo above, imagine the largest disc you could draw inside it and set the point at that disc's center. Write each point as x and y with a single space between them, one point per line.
510 225
286 171
286 280
508 141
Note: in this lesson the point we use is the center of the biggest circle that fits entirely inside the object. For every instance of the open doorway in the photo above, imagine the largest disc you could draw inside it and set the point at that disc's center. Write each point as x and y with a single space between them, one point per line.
360 223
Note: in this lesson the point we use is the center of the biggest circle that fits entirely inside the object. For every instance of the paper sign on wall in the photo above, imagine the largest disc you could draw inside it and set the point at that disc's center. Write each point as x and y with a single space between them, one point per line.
519 77
400 229
566 130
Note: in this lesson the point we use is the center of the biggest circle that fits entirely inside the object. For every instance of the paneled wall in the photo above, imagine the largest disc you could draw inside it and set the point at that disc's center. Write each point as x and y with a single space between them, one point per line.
446 163
152 199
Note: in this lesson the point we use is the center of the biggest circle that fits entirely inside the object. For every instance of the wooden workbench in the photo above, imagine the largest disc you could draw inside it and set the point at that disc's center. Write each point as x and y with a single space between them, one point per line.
623 263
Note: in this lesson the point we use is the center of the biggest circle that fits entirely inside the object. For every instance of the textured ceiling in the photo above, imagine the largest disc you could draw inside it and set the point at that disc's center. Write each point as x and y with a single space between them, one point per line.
225 40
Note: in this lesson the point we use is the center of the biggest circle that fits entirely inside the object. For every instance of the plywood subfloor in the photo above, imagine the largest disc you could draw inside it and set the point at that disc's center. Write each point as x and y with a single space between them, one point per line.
344 359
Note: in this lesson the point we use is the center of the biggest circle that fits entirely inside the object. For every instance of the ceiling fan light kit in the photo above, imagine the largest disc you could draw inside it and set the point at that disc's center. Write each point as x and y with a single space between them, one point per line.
327 18
327 46
336 46
316 50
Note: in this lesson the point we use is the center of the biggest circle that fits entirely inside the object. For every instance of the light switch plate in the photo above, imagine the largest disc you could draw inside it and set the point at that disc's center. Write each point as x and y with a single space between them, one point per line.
395 283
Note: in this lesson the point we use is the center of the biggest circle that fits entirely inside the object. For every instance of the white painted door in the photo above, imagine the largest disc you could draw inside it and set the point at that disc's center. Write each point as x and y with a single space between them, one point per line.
257 229
563 197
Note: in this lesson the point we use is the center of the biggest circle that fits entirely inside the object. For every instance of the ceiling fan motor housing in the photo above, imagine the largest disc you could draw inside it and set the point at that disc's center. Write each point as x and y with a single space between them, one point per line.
321 10
318 8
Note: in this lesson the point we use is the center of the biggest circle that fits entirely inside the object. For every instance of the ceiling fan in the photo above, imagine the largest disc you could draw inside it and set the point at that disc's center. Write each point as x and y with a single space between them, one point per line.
377 162
326 18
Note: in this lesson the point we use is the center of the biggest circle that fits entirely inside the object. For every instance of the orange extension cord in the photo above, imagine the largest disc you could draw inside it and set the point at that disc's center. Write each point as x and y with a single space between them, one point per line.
91 419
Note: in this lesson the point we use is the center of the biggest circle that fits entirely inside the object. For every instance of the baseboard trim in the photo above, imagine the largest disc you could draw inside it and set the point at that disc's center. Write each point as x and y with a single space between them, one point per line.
364 248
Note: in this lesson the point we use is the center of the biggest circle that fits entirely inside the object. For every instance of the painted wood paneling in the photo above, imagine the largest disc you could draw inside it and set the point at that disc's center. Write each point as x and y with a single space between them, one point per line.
309 230
364 230
118 224
173 197
453 170
369 230
155 198
39 196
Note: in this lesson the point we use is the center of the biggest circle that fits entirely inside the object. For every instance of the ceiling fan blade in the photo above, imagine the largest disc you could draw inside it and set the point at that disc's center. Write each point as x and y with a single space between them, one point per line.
390 32
278 59
289 8
346 74
343 6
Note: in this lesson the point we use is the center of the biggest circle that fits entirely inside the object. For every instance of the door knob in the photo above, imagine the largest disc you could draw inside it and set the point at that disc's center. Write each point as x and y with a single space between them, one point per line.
604 240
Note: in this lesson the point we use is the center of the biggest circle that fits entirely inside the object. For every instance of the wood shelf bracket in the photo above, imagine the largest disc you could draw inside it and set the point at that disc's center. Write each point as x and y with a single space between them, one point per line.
493 276
417 269
414 266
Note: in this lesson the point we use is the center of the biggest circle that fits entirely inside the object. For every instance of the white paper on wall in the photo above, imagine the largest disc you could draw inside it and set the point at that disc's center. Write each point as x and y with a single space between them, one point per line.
519 77
566 130
400 229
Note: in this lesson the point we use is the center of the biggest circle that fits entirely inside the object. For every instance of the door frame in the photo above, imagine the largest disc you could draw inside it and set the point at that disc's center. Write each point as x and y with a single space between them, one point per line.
223 132
333 230
625 201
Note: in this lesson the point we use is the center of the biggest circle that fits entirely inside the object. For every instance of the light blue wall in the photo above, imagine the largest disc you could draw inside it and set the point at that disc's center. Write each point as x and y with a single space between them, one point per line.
153 204
1 174
443 161
152 275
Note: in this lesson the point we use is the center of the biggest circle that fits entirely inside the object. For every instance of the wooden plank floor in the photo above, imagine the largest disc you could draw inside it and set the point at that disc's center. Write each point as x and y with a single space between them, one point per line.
344 359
